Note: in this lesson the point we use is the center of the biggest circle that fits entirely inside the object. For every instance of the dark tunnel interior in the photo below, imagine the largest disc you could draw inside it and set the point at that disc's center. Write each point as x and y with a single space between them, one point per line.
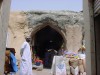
45 39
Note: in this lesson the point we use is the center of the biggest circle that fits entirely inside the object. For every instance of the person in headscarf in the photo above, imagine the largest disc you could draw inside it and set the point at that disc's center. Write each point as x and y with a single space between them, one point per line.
26 60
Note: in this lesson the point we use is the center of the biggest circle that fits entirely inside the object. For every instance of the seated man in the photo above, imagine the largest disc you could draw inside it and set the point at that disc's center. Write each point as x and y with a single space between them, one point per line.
38 62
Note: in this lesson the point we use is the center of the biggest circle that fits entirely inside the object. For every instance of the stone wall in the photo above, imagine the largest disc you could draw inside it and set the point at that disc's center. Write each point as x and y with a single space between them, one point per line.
69 24
16 30
4 16
74 37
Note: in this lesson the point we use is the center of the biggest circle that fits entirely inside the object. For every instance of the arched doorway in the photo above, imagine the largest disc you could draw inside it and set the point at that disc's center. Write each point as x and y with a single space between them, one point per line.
45 39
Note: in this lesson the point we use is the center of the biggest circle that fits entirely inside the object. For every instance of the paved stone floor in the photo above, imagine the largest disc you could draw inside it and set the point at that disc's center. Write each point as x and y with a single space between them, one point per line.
43 72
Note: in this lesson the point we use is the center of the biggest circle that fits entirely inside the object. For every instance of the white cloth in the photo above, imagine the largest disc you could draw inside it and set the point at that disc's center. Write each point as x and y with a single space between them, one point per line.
58 66
74 71
26 61
82 56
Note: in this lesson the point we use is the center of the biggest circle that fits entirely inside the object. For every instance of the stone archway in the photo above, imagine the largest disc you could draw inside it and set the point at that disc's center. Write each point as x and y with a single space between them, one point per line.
47 36
52 25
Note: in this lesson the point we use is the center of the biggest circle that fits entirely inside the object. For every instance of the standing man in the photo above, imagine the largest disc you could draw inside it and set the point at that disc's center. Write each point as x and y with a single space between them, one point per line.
26 61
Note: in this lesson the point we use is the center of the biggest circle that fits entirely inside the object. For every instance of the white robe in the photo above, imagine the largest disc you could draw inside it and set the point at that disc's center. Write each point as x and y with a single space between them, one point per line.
26 62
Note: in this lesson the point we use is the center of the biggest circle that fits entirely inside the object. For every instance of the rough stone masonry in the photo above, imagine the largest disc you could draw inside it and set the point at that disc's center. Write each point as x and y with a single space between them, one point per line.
68 23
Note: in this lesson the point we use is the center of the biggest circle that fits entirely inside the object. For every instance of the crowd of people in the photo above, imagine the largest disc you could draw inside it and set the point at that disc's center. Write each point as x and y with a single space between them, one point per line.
27 60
